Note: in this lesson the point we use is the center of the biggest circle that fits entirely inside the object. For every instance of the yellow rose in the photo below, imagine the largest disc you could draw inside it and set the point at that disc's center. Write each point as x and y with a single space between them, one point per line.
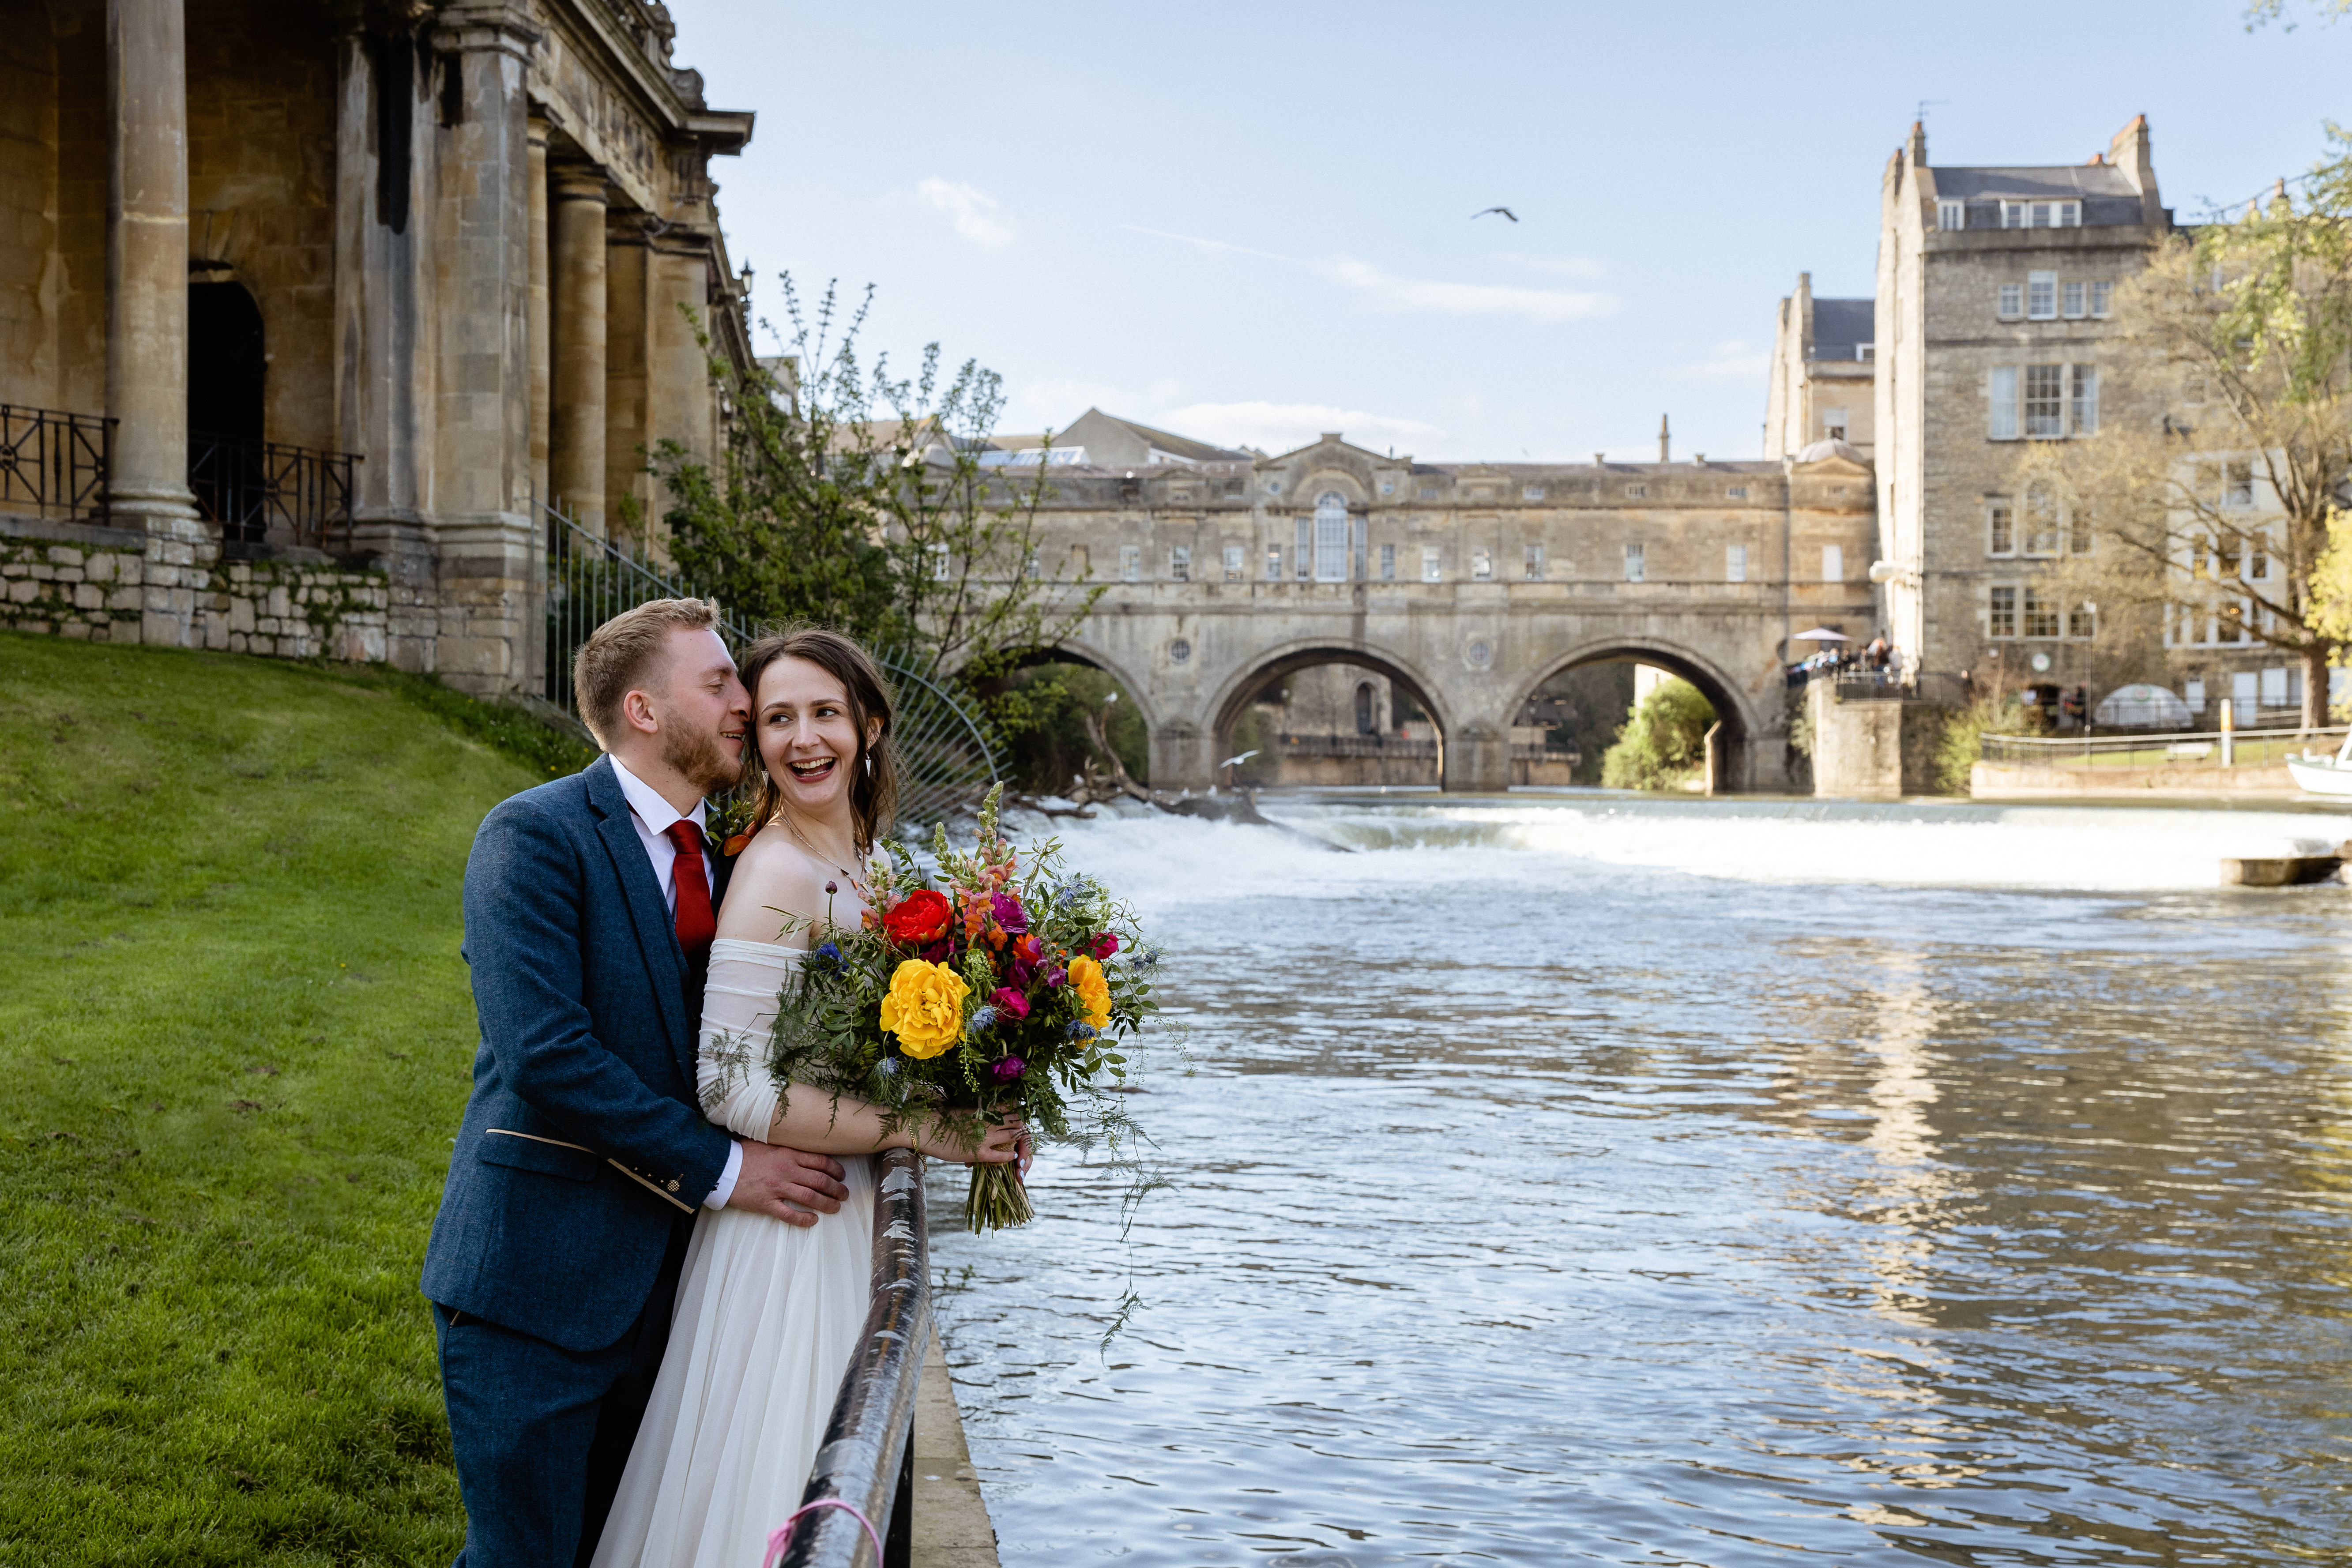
1094 990
925 1007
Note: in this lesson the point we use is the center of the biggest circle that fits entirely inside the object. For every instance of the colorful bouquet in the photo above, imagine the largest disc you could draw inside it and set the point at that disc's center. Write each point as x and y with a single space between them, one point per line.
1004 992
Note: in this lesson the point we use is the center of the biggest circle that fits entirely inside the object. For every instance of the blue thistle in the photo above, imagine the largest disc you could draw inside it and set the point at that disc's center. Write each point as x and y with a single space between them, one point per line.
1082 1030
983 1017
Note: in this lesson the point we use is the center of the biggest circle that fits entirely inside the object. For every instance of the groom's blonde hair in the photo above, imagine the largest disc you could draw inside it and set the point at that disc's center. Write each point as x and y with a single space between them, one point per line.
619 655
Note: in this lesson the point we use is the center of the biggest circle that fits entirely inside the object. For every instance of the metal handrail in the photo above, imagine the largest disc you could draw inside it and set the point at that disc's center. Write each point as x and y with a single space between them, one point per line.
867 1455
2091 749
2140 740
250 490
55 462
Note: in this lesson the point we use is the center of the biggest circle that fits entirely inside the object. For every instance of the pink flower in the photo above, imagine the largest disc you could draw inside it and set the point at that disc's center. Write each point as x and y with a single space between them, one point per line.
1010 915
1010 1066
1010 1003
1106 945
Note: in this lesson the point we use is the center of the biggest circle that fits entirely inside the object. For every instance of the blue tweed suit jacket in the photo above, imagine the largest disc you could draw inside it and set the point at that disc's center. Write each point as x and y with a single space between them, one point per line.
583 1144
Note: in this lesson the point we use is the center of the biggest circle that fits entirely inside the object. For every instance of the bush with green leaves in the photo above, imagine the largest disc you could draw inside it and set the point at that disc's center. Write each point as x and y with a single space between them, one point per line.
1663 744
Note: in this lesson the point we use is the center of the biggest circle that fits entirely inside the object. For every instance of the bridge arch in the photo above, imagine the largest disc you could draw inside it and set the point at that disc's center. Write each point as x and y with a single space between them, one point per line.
1743 725
1269 667
1137 691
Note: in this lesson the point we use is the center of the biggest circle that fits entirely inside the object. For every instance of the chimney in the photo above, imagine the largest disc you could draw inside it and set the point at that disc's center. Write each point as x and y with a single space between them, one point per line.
1664 439
1919 148
1600 459
2129 152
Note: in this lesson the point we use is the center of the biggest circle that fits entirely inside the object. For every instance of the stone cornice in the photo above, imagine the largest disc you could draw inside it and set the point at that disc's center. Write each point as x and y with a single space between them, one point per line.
601 42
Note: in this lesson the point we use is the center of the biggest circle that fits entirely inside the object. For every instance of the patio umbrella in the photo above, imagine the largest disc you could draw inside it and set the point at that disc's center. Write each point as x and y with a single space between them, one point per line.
1821 634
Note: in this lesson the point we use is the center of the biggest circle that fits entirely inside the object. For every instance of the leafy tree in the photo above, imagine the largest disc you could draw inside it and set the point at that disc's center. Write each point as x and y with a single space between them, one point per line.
1043 710
1663 744
2163 515
858 500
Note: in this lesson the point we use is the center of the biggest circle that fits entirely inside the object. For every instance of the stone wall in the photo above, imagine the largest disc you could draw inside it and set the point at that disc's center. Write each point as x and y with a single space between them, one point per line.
1872 746
78 580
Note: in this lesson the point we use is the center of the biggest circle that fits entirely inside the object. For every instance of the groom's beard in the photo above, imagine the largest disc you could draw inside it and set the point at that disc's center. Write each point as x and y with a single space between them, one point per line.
707 762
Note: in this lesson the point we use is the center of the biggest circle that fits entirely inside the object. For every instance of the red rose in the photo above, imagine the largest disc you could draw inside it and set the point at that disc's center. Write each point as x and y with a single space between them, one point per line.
920 917
1106 945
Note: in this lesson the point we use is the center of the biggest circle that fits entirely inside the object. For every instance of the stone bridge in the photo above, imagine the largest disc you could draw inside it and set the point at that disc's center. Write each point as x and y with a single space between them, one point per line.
1467 585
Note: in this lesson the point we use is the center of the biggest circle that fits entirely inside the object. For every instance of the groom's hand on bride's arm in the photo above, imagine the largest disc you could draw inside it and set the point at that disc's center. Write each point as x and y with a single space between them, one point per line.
786 1184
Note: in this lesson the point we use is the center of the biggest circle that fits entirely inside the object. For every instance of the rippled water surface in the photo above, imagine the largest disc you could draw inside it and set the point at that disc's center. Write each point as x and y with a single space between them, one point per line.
1718 1183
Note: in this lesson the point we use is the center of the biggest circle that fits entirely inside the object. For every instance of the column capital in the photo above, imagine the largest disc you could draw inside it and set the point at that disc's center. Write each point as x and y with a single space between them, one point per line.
579 183
507 26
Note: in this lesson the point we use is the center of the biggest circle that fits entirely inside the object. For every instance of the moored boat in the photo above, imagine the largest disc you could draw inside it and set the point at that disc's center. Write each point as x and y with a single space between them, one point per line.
2317 774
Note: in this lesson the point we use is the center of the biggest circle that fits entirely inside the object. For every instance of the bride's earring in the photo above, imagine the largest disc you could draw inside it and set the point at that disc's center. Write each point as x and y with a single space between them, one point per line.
869 764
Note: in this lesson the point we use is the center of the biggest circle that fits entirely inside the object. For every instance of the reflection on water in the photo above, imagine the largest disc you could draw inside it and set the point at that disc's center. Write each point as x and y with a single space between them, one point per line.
1699 1184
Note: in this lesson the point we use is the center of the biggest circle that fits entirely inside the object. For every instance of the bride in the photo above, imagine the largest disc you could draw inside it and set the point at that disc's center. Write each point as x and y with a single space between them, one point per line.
768 1314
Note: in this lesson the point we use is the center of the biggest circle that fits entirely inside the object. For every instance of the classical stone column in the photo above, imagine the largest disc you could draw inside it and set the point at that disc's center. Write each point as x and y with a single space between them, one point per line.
541 356
147 309
683 401
627 433
486 551
576 458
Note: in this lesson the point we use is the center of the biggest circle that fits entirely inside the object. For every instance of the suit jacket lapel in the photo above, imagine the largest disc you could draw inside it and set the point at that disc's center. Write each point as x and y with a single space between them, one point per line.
656 932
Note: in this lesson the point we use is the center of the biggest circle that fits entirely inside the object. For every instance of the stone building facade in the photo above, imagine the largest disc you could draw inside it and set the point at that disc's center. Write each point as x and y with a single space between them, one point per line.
1464 585
339 292
1822 381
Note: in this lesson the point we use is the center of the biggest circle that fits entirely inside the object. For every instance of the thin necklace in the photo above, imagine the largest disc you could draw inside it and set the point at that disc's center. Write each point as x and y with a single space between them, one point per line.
793 828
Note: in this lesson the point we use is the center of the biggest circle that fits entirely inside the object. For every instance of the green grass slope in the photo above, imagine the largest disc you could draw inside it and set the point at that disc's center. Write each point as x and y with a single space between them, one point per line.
234 1040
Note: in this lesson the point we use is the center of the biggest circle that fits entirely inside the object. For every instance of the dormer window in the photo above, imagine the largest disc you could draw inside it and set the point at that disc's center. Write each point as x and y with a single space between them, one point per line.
1866 351
2041 215
1951 215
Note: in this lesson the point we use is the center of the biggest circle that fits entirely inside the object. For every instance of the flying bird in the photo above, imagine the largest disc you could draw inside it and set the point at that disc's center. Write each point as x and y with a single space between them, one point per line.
1504 211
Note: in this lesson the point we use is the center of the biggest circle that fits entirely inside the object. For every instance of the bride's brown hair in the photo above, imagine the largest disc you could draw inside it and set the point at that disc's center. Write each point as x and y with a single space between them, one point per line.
874 772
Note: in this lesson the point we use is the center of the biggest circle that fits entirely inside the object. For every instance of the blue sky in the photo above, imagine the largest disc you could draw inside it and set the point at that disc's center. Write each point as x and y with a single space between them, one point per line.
1250 222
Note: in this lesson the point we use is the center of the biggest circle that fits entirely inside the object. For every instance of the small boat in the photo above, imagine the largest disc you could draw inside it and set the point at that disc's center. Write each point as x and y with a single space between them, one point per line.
2317 774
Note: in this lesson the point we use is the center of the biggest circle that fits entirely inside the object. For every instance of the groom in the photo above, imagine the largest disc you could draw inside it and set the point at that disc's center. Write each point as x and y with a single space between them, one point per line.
583 1155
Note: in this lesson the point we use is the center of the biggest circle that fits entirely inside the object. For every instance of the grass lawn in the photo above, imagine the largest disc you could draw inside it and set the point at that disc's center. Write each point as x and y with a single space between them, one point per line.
234 1040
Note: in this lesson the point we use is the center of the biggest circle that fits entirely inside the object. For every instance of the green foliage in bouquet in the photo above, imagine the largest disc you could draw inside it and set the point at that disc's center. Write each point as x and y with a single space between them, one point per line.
1008 990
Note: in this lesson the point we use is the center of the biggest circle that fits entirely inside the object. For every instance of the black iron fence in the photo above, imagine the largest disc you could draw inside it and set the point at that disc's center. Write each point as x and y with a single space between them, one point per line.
269 492
863 1473
947 756
54 464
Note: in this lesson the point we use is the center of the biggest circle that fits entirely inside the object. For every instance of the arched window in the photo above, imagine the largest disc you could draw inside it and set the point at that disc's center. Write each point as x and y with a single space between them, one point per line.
1330 537
1366 724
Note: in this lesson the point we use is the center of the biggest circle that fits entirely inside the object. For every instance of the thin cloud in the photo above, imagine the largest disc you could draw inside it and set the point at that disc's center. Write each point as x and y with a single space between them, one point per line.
1386 291
1280 426
1732 360
973 211
1581 267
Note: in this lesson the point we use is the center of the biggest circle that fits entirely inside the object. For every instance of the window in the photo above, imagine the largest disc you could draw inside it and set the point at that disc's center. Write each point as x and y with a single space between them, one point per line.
2046 400
2000 528
2102 295
1482 566
1234 568
1532 492
1637 492
940 563
2070 305
1131 564
1081 565
2041 615
1951 215
2000 423
1366 721
1735 492
1833 423
1388 563
2078 530
2086 400
1533 563
2237 484
1273 562
2258 557
1431 571
1832 564
1302 550
1180 563
1636 565
2040 521
2082 621
2012 301
2001 618
1429 492
1033 567
2041 215
1866 351
1330 537
2041 296
1735 563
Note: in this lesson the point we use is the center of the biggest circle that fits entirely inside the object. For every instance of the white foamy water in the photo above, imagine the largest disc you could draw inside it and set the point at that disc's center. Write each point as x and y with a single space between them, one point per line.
1171 861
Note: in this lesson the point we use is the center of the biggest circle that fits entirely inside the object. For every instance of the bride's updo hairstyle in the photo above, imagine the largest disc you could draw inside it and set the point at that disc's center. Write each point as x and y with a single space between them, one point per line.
874 771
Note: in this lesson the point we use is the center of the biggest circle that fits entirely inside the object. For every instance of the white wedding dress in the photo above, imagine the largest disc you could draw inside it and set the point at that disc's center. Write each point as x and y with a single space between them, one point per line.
767 1318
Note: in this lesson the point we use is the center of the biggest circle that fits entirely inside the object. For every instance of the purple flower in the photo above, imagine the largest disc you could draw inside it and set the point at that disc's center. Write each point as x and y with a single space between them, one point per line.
1055 976
1010 1003
1011 1067
1010 915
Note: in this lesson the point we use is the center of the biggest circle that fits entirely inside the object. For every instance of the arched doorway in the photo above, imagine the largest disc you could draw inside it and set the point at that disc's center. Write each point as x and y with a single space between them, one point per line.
1332 716
227 374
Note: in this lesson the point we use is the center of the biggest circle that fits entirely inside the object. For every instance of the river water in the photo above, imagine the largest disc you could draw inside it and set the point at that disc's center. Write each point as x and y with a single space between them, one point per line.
1580 1180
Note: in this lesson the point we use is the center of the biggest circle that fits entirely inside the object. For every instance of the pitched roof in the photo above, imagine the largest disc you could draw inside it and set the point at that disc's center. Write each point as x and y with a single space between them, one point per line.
1839 325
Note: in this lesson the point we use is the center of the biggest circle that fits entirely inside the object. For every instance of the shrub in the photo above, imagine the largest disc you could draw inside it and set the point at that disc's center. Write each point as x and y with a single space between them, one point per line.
1665 743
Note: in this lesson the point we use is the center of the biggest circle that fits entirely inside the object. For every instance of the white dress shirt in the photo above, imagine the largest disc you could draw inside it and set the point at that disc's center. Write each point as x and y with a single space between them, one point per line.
651 815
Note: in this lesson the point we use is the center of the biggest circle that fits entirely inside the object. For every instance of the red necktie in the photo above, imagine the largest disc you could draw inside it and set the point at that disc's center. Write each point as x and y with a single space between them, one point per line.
695 922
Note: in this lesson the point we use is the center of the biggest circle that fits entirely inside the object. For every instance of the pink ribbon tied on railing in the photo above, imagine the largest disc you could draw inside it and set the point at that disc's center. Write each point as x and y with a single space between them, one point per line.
777 1537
